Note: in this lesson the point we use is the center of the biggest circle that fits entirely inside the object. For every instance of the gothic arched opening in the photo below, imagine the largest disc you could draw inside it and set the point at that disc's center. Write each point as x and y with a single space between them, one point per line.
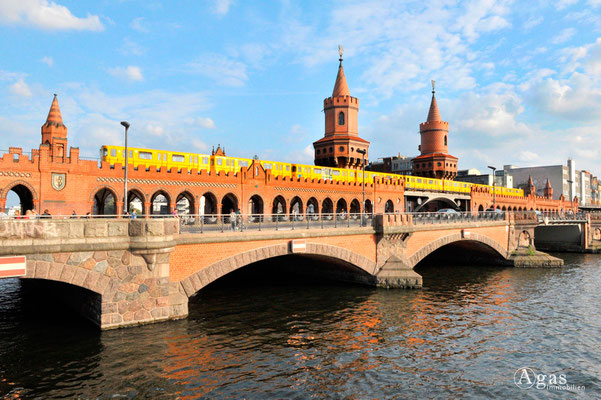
389 207
327 207
369 209
279 205
105 202
255 205
355 207
341 206
160 203
185 203
20 198
135 202
229 203
208 204
296 206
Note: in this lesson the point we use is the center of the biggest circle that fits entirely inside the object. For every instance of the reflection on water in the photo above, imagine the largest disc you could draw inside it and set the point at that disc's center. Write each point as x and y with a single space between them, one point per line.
463 335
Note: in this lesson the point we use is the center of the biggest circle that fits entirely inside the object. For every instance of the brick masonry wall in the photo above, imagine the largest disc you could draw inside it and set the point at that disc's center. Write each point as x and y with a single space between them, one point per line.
189 259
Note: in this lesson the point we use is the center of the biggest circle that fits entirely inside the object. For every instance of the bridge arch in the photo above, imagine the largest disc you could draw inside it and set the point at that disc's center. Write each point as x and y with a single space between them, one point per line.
136 200
208 204
256 205
456 237
104 201
443 201
193 283
296 206
28 197
229 203
160 202
184 203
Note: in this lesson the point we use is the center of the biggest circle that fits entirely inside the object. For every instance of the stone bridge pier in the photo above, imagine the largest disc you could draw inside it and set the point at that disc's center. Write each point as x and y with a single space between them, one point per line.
121 266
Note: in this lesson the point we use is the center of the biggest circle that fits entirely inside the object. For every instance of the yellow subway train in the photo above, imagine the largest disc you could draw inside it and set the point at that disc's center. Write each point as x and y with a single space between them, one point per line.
148 158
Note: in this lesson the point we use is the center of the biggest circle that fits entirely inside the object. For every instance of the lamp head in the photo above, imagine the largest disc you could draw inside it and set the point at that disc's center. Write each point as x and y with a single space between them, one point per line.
125 124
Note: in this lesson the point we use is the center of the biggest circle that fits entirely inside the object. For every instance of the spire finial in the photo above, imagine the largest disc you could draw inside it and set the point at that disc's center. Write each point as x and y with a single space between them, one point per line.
340 52
433 86
55 95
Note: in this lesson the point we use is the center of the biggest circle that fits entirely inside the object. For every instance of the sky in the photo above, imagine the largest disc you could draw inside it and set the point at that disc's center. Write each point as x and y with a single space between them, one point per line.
518 81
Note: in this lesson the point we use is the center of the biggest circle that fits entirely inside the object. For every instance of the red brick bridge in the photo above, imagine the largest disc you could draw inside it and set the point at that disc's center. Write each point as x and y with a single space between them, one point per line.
137 271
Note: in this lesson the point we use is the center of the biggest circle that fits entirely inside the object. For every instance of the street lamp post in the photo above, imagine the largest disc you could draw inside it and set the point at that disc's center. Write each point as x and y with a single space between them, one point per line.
362 152
494 194
126 126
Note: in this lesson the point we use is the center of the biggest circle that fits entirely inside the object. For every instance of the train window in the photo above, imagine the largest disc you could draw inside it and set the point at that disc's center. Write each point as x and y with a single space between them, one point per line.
159 156
317 171
418 180
131 154
267 166
113 153
352 174
219 161
243 163
287 167
336 173
145 155
195 159
430 182
205 160
178 158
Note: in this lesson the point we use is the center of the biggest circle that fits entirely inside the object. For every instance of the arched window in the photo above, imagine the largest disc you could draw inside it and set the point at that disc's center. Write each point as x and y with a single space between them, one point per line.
341 118
445 140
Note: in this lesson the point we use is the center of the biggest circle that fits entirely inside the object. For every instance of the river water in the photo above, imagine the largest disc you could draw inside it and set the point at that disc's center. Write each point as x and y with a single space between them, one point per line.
463 335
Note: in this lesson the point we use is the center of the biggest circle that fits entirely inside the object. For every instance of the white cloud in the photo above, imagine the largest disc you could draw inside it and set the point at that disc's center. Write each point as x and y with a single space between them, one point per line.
46 15
206 123
200 145
154 130
20 88
48 61
564 36
532 22
220 69
130 73
130 47
528 156
139 24
221 7
561 4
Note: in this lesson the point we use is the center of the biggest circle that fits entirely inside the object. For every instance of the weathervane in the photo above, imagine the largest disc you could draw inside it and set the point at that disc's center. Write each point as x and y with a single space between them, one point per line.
433 85
340 51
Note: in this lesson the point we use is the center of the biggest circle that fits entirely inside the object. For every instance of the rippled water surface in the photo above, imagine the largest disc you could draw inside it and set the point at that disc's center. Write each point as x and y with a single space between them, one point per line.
463 335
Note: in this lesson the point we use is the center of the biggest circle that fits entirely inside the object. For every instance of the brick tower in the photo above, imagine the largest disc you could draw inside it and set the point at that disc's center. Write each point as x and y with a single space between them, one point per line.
54 132
434 160
548 191
338 148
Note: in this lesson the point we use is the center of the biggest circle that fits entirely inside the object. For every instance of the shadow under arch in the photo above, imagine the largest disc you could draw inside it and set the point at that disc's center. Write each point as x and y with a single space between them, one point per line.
361 268
470 249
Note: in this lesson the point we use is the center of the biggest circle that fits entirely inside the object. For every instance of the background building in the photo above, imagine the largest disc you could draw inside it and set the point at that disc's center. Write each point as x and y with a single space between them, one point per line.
402 165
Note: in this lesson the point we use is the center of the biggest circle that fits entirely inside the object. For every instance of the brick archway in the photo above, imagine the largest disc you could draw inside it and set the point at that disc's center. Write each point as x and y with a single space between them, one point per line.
11 185
456 237
193 283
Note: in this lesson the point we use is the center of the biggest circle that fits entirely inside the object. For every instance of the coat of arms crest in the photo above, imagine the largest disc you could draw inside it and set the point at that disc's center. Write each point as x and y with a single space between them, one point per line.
59 181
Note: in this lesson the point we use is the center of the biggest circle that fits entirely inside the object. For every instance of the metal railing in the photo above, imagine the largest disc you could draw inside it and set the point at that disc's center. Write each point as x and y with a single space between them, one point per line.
422 218
260 222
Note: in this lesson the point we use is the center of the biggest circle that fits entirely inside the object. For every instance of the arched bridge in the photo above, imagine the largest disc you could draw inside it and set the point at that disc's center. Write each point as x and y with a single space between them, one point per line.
144 270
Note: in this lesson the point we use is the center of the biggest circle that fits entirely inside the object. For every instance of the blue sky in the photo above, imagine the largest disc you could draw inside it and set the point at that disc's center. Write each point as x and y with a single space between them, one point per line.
519 82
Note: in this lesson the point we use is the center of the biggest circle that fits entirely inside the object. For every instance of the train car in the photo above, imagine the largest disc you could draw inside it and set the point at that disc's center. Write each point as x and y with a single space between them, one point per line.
148 158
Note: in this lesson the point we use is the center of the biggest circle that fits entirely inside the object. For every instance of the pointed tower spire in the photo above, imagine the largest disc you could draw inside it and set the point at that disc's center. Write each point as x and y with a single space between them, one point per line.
54 115
340 87
433 114
54 132
548 191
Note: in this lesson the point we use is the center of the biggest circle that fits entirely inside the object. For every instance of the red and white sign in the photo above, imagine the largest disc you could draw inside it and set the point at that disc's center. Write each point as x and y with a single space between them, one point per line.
298 246
13 266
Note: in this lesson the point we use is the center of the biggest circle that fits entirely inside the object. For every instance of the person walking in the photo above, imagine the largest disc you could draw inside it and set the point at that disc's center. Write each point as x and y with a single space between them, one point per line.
232 220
